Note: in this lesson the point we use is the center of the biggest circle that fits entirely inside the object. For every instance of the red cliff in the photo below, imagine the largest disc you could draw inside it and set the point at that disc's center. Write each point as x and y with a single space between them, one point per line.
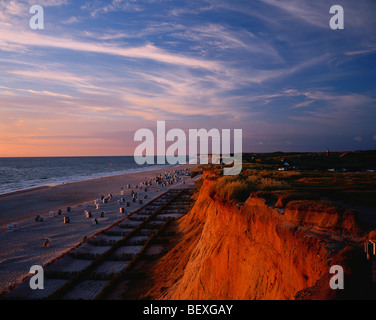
254 251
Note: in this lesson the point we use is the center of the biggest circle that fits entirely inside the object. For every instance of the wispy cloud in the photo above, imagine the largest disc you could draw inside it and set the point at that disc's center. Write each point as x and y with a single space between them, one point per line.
148 51
16 91
71 20
101 7
273 68
11 9
67 78
220 37
309 12
360 52
332 109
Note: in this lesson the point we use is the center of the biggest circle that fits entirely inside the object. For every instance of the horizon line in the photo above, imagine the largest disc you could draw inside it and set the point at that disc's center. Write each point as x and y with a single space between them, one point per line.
246 152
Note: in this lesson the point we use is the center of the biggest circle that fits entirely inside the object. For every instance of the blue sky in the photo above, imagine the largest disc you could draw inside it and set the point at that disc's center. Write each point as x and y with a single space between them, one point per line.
100 70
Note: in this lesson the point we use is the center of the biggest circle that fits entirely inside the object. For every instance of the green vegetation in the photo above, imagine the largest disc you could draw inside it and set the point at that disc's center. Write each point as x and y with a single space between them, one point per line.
238 188
306 177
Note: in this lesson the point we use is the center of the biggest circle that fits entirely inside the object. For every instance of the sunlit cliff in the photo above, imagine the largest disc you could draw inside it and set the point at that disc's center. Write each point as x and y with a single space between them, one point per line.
256 251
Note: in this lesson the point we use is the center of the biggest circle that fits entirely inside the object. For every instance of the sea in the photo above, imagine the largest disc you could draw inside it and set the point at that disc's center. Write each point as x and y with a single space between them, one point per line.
25 173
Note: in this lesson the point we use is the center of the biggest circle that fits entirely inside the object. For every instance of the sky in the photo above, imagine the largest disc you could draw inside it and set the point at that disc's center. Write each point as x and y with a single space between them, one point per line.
101 70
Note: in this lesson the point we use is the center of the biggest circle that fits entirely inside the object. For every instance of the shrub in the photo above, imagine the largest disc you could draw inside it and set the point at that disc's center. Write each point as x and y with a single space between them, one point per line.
238 188
268 184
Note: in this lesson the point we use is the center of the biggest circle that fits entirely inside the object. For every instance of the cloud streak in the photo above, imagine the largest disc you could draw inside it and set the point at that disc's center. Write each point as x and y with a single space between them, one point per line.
274 69
149 51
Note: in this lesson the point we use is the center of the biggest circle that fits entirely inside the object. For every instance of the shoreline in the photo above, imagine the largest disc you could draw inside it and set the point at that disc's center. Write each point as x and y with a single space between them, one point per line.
23 248
40 200
90 177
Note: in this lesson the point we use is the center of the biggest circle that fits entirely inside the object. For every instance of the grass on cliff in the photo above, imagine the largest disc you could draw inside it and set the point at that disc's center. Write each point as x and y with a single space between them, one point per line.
238 188
316 206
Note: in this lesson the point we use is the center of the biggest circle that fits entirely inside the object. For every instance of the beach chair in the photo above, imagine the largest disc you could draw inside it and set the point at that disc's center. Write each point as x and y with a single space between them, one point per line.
13 226
370 249
39 218
51 214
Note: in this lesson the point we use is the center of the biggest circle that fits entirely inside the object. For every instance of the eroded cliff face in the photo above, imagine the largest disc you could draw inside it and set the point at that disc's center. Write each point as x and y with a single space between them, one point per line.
253 251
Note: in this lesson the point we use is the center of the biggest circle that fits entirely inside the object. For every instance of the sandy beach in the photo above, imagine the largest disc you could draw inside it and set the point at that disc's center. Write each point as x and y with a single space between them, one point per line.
24 248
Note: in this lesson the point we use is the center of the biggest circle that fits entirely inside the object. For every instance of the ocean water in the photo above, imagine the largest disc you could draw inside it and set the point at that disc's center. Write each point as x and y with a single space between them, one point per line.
25 173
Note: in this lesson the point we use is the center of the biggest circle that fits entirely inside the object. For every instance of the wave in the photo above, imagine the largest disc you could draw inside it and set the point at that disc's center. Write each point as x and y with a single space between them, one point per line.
52 182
